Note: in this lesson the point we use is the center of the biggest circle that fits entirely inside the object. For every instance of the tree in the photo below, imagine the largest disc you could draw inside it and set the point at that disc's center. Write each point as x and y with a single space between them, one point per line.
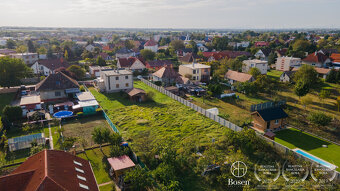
308 75
147 54
301 88
255 72
10 44
139 179
331 77
12 70
12 113
216 89
324 94
79 72
66 55
30 46
272 58
100 136
306 100
338 103
249 88
21 49
49 53
42 50
100 61
128 44
177 44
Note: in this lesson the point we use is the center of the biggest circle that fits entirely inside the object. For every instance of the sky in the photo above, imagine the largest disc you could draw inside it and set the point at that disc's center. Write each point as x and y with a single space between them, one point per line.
224 14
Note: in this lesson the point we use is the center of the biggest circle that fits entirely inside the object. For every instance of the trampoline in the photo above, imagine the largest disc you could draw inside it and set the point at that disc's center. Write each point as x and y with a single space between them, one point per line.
63 114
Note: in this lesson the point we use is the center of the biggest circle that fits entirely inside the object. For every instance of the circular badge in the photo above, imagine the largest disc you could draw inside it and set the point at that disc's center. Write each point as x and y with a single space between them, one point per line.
322 174
267 173
295 172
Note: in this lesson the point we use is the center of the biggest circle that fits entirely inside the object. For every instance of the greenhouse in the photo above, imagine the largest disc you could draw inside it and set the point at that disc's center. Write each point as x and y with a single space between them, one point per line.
24 142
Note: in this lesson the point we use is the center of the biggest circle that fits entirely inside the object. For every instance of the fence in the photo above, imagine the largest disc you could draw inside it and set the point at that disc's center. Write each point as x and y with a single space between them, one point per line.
224 122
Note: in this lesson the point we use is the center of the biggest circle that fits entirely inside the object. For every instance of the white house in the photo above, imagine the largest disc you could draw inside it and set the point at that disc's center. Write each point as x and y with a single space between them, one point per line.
285 63
95 70
48 66
90 48
287 76
260 64
243 44
131 63
115 80
262 54
124 53
151 45
202 48
28 58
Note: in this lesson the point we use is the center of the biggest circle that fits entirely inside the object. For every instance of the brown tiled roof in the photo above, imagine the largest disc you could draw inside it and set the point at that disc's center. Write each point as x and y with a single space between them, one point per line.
127 62
135 91
316 57
50 170
188 58
238 76
58 81
54 64
150 43
166 72
335 57
322 70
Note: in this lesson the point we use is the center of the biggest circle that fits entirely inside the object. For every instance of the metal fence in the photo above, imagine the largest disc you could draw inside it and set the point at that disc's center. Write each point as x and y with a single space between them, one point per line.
224 122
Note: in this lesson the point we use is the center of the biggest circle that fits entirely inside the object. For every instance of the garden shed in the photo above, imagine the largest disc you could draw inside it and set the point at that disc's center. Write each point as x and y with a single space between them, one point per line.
87 103
119 165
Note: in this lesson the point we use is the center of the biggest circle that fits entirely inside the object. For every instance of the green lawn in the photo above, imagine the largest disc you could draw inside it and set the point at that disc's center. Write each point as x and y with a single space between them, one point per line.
107 187
293 138
274 74
98 163
5 99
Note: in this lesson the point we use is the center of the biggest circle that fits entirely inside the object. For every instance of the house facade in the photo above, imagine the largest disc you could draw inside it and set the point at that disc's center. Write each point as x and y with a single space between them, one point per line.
151 45
116 80
198 72
287 76
124 53
28 58
131 63
234 76
259 64
285 63
262 54
48 66
316 59
271 119
166 75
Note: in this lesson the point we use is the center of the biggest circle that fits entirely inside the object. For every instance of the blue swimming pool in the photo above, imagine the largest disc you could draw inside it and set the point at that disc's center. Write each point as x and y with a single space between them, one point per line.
63 114
316 159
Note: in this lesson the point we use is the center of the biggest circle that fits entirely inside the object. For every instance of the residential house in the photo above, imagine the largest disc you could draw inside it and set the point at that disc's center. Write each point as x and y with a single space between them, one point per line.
317 59
49 66
263 53
51 170
243 44
124 53
104 55
131 63
322 72
90 47
202 48
157 64
198 72
188 58
281 52
115 80
166 75
95 70
184 52
287 76
108 47
234 76
335 60
151 45
57 87
261 44
28 58
271 119
259 64
226 54
286 63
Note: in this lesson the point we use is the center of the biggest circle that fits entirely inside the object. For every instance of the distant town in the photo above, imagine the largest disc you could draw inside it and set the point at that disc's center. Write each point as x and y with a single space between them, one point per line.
169 109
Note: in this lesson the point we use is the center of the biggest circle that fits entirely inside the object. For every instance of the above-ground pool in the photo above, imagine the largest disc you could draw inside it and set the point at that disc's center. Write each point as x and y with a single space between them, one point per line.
63 114
316 159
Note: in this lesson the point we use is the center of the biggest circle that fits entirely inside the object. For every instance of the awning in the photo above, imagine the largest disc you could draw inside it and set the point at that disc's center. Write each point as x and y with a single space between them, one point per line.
73 90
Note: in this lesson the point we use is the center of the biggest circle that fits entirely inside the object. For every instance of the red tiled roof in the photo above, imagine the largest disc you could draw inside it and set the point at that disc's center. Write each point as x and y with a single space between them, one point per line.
238 76
50 170
316 57
58 81
150 43
208 54
120 163
335 57
261 43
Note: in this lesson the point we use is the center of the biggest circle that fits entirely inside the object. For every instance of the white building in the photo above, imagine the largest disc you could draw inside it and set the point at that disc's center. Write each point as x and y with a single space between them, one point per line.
243 44
285 63
260 64
28 58
48 66
151 45
90 48
115 80
198 72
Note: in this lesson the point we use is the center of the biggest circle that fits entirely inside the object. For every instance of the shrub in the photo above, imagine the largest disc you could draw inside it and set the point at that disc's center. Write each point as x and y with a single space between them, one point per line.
319 118
150 95
81 88
12 113
158 83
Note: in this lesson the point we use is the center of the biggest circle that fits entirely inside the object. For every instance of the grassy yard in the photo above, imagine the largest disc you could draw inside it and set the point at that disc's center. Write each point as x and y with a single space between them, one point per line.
274 74
293 138
98 163
83 127
5 99
107 187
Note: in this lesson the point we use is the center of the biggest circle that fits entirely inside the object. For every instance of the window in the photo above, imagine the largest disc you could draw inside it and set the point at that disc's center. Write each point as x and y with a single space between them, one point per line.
198 71
127 85
79 170
276 121
198 78
83 186
81 177
126 77
42 68
117 85
77 163
57 94
117 77
194 71
194 78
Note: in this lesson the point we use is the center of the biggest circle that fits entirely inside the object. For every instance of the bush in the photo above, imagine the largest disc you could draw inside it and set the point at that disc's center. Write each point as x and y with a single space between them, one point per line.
12 113
150 95
319 118
81 88
158 83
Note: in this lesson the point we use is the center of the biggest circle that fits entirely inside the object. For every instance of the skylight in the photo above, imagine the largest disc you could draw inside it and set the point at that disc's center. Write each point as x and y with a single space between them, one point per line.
81 177
83 186
77 163
79 170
